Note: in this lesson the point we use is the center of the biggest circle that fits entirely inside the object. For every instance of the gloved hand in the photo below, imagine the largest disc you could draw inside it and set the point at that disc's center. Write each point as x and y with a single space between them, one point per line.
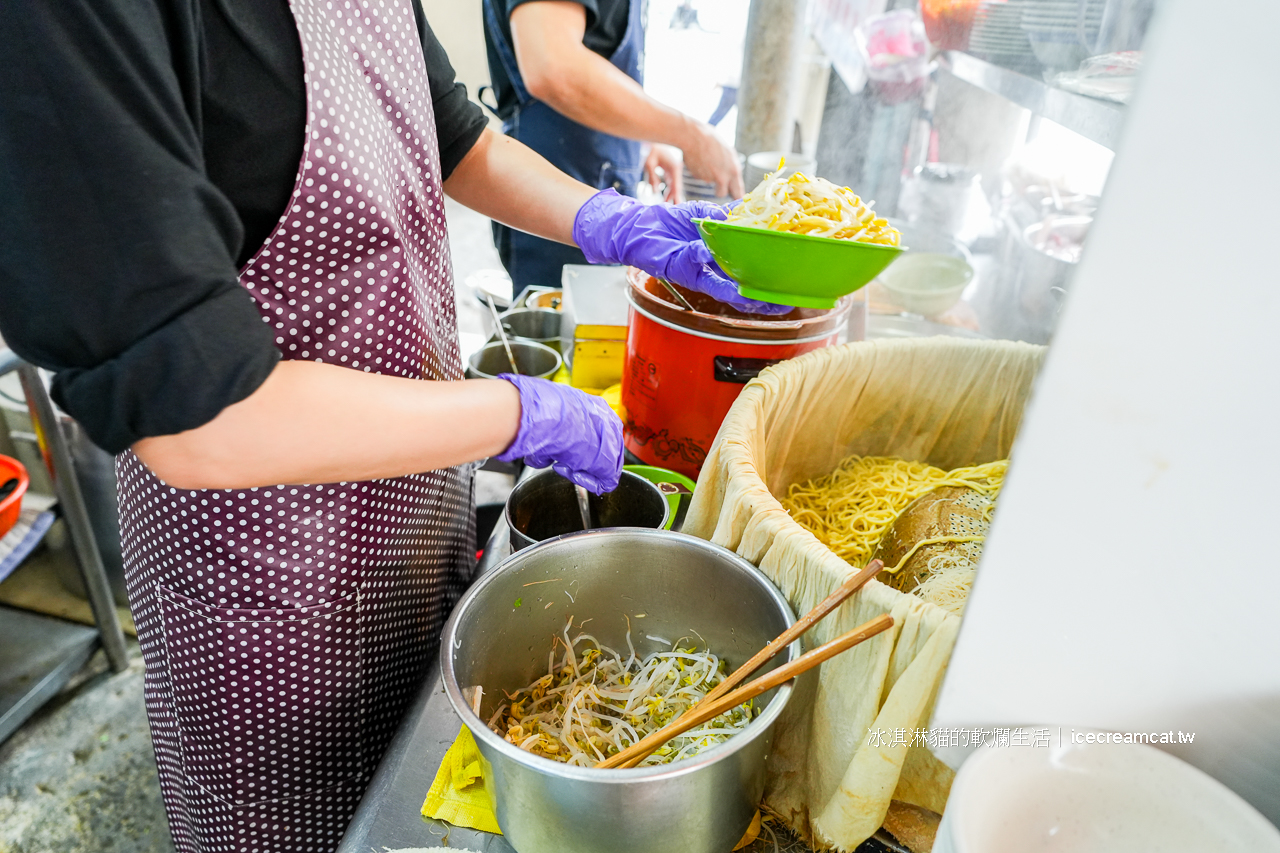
578 435
662 240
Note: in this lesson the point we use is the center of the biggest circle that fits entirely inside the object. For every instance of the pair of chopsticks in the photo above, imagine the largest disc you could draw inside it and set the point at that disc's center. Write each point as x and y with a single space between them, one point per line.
725 697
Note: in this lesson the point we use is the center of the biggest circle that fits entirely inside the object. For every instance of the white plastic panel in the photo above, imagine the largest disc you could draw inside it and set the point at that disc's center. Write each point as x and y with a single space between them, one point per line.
1132 578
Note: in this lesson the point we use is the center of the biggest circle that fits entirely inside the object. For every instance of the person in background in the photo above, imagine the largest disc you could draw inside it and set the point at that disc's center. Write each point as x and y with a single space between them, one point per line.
567 78
686 17
728 100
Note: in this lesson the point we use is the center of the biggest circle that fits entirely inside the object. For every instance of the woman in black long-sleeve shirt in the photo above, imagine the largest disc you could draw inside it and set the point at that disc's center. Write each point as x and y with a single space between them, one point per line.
222 227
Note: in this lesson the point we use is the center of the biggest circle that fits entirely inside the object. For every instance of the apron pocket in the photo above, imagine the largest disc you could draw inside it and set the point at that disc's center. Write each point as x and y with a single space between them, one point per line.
269 702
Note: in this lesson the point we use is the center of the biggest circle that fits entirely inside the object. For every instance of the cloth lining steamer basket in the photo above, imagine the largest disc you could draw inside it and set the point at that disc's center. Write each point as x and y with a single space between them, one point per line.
685 368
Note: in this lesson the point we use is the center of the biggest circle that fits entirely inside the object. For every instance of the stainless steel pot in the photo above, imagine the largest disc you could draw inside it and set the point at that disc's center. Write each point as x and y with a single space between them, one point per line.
533 359
1041 259
669 585
541 297
939 196
546 505
534 324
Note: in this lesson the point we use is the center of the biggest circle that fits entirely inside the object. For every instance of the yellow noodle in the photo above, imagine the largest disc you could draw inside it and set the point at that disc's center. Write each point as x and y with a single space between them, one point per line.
940 540
949 581
802 205
850 509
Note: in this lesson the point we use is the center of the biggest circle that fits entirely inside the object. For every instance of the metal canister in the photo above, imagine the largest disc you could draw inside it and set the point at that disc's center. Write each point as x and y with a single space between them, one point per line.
545 506
540 325
1037 264
532 359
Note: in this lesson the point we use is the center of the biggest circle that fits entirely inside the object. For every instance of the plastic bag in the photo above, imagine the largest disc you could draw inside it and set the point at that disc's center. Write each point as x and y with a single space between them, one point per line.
1111 76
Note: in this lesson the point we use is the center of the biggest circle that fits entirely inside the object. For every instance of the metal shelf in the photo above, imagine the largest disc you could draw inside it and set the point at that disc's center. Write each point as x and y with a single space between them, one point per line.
32 533
38 656
1092 118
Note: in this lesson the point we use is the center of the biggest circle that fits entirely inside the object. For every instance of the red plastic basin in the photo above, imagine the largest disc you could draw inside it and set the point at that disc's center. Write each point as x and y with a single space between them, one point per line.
12 505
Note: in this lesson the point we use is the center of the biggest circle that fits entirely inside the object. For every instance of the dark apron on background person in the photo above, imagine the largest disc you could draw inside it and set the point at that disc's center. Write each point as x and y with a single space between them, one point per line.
286 629
595 158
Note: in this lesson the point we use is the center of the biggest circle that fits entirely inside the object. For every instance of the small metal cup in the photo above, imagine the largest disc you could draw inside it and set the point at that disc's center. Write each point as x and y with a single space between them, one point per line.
552 299
546 505
534 324
532 359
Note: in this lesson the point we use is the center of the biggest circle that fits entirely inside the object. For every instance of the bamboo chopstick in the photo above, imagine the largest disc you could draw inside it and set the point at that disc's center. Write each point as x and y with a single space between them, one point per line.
786 638
704 711
799 629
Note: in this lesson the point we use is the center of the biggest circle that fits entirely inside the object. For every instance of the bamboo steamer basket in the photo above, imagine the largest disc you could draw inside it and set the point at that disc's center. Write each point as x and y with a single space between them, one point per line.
949 402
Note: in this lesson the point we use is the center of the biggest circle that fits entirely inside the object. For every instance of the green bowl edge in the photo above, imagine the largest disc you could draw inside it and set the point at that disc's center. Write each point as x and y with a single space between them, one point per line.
655 474
704 223
795 300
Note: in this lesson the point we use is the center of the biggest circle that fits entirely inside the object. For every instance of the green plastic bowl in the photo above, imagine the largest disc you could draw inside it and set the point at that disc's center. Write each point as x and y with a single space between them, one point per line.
793 269
658 475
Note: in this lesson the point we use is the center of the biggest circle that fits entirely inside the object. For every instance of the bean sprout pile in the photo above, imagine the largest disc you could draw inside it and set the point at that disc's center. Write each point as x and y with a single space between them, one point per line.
593 704
802 205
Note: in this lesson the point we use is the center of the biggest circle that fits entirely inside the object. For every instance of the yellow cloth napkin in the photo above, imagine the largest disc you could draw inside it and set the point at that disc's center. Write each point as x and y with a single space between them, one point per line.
752 833
457 795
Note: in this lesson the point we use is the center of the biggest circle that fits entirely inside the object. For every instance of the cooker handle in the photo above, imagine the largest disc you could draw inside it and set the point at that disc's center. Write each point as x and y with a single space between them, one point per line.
728 368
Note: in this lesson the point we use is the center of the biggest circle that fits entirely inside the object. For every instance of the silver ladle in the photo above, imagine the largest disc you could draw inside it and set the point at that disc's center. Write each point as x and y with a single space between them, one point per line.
502 334
583 506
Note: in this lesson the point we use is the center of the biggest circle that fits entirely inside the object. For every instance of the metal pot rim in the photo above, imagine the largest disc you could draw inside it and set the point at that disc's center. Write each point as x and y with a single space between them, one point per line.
524 342
482 732
761 342
530 309
522 486
737 329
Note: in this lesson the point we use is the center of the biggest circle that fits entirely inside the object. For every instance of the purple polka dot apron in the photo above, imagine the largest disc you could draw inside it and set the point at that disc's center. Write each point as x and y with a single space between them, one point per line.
285 629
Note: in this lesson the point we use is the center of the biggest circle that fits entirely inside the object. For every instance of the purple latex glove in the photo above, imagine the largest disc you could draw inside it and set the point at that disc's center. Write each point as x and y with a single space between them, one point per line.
578 435
662 240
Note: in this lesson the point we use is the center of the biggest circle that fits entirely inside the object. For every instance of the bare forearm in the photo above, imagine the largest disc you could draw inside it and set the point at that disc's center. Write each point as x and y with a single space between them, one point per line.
507 181
593 92
578 83
573 80
320 423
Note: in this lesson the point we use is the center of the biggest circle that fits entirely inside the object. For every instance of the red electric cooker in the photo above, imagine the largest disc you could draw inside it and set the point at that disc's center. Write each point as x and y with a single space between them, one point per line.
685 368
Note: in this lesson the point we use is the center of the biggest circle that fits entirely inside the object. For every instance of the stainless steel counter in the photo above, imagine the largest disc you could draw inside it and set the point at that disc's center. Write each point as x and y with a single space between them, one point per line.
1092 118
390 816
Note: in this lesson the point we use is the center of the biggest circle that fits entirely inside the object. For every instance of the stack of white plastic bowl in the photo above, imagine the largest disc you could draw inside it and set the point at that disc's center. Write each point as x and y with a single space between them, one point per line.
1062 32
